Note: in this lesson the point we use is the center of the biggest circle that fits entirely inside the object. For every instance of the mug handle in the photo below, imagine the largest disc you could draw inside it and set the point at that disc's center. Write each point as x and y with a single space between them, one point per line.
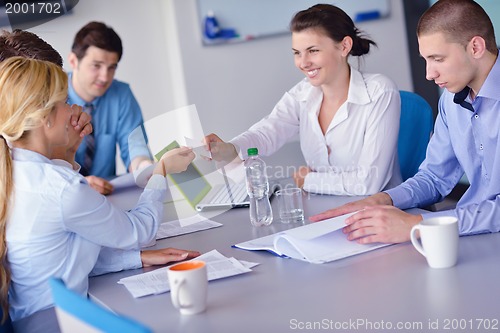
416 243
176 300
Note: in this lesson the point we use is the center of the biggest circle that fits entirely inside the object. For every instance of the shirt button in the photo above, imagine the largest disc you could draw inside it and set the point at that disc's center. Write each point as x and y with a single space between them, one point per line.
481 146
476 116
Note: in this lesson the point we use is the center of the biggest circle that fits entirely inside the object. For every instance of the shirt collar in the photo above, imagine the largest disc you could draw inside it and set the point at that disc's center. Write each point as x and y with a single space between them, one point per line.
23 155
20 154
73 96
357 94
490 86
460 98
487 90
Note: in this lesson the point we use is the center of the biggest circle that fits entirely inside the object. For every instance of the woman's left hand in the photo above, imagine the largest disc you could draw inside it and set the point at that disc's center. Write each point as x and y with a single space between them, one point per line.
300 175
164 256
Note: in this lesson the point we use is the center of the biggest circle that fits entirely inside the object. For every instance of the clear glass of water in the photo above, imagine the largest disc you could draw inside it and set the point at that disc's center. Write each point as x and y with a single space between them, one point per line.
290 205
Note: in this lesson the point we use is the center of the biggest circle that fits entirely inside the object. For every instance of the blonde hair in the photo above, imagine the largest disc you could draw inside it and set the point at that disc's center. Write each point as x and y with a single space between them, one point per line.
29 91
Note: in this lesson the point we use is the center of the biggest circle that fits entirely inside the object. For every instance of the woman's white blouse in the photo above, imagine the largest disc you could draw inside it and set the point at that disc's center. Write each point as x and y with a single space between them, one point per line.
59 226
358 153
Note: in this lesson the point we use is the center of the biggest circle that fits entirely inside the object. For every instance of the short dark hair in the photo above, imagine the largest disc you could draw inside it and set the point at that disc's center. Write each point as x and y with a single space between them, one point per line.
28 45
459 21
99 35
335 23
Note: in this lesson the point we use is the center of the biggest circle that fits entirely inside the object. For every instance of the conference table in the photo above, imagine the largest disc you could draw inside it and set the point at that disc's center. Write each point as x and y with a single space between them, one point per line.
391 288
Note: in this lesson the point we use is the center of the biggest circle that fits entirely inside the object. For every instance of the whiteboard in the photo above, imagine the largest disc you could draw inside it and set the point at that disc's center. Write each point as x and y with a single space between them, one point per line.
257 18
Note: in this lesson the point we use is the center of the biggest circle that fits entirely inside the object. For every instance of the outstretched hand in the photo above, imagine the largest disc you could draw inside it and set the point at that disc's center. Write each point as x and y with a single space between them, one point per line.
164 256
380 224
300 175
376 220
174 161
221 151
351 207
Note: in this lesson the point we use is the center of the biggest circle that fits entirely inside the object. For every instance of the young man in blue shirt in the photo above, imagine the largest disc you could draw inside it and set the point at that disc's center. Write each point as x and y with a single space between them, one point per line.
94 57
457 41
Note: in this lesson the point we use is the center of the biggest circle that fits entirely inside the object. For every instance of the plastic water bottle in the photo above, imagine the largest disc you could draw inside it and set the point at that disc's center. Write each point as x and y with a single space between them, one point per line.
212 29
258 188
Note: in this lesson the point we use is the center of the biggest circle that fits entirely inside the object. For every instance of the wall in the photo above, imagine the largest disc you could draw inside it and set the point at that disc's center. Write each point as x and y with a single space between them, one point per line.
143 30
234 85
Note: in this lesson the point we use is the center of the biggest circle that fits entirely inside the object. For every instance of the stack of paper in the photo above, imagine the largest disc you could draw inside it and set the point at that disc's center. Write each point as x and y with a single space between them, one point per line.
156 282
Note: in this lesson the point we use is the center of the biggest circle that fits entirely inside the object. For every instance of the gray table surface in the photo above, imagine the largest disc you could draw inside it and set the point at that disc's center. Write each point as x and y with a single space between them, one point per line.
387 289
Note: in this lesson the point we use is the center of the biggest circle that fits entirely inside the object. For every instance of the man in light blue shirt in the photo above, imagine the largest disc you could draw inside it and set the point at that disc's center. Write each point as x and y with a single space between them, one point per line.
94 57
457 41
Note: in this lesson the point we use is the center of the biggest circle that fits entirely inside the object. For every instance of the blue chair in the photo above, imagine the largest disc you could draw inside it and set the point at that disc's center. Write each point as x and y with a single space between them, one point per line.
76 314
415 130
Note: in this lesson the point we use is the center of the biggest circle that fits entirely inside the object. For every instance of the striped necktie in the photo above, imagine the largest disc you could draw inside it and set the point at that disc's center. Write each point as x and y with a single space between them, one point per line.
89 143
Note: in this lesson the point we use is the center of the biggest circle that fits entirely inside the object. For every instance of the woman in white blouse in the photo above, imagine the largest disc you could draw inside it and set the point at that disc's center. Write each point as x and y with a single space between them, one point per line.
348 121
52 223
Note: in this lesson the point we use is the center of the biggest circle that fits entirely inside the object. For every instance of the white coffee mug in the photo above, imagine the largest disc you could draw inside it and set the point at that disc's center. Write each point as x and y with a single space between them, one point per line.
438 240
188 286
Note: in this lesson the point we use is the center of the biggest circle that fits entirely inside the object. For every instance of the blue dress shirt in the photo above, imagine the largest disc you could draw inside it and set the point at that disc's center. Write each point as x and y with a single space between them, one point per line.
116 115
59 226
464 141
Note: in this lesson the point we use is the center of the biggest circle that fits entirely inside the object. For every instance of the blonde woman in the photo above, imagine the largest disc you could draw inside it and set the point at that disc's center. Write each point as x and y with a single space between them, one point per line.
51 222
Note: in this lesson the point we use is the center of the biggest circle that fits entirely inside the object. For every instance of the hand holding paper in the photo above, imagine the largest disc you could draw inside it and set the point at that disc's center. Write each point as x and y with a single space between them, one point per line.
198 148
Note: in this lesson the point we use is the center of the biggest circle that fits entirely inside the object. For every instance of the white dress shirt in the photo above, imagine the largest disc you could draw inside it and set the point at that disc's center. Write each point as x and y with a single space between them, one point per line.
358 153
59 226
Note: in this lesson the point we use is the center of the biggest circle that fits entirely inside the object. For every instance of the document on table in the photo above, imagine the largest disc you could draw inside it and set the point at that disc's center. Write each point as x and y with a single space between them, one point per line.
156 282
316 243
175 228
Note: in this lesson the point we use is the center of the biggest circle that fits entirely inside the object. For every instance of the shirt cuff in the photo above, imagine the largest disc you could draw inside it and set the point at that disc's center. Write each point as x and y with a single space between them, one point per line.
398 197
238 150
157 182
429 215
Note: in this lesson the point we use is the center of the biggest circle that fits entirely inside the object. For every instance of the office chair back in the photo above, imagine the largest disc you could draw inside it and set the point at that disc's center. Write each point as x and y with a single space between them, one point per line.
7 326
416 124
77 314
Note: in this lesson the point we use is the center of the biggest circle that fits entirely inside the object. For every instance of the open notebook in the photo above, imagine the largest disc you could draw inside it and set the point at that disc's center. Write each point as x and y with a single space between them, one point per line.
316 243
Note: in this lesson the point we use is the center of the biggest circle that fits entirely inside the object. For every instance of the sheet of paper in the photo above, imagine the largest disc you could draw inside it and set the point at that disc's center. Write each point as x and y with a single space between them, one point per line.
123 181
156 282
174 228
313 230
187 221
263 243
329 247
198 148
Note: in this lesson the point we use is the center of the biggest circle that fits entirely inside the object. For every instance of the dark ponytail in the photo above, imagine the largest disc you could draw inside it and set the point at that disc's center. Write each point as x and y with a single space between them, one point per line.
335 23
